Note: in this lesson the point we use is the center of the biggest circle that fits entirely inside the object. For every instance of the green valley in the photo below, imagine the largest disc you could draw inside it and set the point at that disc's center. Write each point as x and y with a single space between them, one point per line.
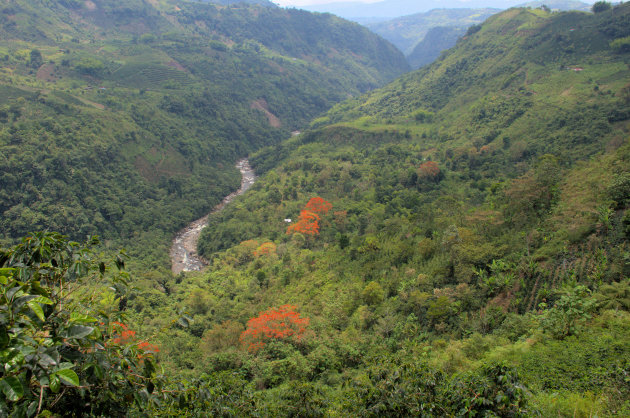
455 243
124 119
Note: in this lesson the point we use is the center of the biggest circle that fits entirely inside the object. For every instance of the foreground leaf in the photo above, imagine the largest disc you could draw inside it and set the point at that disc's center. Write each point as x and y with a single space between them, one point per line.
54 383
37 309
78 331
12 388
69 377
81 318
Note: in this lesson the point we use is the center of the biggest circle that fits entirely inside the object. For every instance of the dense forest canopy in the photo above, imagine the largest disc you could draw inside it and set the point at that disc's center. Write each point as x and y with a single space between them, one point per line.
452 244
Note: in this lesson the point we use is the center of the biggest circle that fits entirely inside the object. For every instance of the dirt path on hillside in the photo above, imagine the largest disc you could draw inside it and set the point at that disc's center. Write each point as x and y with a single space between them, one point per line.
184 255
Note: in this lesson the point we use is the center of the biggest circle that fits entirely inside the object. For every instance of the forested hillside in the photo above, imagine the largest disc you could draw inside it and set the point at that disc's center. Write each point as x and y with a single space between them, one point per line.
124 118
469 220
452 244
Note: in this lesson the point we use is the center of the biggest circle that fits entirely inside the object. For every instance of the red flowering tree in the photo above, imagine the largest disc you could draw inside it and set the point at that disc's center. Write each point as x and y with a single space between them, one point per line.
308 222
318 205
282 323
122 335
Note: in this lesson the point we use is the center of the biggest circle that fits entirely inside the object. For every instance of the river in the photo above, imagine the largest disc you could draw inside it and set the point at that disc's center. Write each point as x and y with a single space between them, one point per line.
183 253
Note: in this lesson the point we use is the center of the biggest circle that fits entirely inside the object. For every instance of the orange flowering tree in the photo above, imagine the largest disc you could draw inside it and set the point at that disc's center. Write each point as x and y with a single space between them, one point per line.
282 323
265 249
308 222
429 170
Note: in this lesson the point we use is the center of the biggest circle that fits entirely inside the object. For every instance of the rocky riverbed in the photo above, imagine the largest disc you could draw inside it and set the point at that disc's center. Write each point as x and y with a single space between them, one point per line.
184 255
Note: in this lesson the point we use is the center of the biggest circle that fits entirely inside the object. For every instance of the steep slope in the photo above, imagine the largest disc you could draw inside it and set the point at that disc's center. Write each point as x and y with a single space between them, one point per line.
436 40
124 118
407 31
467 211
341 47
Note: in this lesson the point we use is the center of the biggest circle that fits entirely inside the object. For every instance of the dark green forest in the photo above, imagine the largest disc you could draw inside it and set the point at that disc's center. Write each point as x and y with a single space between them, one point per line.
457 243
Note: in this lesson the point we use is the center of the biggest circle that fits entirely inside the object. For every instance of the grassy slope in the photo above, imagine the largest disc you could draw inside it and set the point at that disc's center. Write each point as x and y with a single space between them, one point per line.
452 269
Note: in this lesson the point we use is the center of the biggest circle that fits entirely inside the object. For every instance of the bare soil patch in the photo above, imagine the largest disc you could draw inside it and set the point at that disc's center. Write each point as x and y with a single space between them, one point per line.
261 104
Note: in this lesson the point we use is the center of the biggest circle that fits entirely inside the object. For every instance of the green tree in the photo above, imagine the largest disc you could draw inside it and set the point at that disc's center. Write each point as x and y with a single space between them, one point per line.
373 293
572 309
601 6
63 344
492 391
440 309
89 66
621 44
36 59
396 389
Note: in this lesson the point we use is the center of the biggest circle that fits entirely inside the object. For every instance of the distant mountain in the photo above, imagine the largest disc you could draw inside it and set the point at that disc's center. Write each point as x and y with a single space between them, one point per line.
388 9
233 2
407 31
436 40
562 5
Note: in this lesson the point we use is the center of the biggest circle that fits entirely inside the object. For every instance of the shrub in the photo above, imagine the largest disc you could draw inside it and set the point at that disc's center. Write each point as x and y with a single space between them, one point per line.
373 293
67 351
